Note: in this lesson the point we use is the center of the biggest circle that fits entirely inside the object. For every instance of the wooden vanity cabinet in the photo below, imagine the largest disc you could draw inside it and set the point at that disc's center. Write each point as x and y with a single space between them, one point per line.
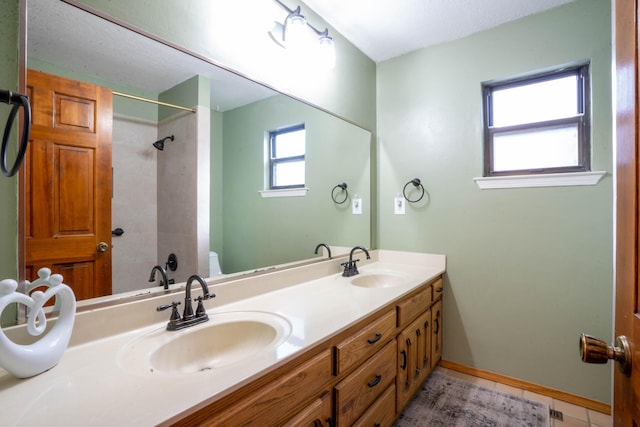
362 376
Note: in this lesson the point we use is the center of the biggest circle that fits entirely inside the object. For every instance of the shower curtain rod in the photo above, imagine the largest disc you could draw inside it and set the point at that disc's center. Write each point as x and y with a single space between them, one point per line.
151 101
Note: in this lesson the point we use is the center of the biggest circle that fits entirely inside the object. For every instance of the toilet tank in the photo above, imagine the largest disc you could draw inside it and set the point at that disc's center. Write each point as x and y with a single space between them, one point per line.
214 264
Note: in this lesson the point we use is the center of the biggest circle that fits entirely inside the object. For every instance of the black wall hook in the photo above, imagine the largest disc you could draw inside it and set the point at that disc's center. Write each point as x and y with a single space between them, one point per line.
17 100
342 186
417 184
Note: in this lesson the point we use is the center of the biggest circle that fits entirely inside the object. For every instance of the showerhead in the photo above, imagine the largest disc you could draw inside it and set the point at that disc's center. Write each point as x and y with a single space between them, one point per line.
159 144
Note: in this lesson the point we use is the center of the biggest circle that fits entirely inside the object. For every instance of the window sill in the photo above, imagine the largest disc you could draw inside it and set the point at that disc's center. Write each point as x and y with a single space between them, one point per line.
289 192
542 180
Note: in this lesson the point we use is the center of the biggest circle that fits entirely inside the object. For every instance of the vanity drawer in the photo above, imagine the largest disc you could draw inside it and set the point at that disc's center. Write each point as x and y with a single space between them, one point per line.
317 413
410 308
366 342
269 405
360 389
382 412
437 289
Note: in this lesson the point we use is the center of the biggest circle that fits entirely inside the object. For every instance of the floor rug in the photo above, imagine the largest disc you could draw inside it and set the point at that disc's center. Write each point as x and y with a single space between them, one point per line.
445 401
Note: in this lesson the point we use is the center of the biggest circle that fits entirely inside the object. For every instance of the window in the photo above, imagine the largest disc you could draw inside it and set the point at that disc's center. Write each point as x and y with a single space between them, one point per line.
286 160
538 124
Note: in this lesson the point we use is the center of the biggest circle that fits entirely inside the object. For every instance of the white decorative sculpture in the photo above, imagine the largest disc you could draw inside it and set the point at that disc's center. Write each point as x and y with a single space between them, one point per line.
25 361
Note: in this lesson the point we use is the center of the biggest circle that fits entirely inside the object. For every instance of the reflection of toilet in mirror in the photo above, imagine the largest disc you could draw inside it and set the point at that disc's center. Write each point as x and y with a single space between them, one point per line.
214 265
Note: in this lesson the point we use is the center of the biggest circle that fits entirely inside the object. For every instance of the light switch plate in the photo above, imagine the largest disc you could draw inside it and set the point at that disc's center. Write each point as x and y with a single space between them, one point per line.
398 205
356 204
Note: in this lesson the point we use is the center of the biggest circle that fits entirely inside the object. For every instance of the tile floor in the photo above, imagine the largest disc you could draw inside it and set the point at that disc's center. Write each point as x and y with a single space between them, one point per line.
573 416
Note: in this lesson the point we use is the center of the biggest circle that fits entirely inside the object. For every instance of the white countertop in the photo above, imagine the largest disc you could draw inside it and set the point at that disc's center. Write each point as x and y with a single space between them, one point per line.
90 387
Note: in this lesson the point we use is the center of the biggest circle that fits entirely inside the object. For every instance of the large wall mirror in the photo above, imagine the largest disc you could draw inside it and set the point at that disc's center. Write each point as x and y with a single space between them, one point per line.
202 192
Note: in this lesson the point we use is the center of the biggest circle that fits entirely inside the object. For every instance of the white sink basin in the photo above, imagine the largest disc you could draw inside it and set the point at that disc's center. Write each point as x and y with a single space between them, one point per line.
226 339
380 280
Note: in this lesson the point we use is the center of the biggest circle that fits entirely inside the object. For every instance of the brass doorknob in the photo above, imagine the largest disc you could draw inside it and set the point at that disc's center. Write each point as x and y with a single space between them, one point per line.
594 350
102 247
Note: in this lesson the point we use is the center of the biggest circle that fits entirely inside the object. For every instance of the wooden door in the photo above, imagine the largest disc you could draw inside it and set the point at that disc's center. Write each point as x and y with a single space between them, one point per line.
626 405
68 183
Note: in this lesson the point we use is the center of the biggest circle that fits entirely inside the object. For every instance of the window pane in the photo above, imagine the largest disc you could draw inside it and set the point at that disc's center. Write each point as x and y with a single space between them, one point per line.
288 173
289 144
547 100
547 148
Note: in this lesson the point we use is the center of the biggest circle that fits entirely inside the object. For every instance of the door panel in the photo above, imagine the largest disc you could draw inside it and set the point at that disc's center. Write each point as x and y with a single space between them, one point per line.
68 180
626 388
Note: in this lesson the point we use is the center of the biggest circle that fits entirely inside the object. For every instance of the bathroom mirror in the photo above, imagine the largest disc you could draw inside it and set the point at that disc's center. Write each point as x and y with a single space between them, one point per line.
244 225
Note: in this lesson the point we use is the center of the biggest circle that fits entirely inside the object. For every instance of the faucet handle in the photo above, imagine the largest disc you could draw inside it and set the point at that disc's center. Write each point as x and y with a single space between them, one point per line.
175 316
200 311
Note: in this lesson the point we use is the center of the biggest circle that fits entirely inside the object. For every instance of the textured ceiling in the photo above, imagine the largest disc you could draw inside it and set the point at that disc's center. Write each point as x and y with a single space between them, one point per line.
70 38
65 36
383 29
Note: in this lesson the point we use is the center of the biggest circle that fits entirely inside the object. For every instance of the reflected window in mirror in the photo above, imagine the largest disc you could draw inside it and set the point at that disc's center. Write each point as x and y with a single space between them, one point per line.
287 157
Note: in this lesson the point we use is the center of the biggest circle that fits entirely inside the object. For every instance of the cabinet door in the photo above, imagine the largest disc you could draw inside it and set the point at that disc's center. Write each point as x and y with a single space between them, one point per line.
403 379
414 353
436 333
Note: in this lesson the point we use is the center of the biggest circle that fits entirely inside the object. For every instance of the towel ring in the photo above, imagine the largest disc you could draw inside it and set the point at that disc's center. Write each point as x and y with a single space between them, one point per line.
342 186
416 183
17 100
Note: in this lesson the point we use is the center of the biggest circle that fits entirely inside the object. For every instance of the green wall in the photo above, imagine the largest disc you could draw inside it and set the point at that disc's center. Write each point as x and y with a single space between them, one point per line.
528 269
336 152
234 34
9 14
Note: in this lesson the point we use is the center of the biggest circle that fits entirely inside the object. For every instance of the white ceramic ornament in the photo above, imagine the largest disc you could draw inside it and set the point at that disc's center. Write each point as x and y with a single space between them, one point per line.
25 361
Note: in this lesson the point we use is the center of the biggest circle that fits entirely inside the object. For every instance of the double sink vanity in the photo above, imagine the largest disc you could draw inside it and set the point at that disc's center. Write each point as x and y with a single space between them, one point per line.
296 346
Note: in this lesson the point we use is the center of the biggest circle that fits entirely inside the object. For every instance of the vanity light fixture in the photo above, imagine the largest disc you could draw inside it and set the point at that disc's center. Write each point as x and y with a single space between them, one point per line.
293 34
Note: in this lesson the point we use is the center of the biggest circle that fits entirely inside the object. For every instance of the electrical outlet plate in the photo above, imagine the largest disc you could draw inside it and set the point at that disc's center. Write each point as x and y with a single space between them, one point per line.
398 205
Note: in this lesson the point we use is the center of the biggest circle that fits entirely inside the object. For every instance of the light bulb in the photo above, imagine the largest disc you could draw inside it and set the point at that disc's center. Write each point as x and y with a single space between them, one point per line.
295 31
327 52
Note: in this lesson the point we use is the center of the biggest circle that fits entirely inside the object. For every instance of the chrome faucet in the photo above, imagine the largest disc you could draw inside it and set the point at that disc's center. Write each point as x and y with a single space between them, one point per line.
325 246
164 281
350 268
189 318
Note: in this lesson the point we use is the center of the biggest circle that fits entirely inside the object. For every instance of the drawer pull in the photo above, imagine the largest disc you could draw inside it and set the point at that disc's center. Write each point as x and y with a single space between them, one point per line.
374 339
374 382
439 289
403 365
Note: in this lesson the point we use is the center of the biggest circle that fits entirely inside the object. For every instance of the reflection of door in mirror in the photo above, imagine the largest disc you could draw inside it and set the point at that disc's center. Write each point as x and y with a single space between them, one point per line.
68 184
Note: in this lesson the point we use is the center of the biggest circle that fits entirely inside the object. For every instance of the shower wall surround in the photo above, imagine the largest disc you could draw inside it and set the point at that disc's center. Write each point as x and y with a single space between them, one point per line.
134 204
180 171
